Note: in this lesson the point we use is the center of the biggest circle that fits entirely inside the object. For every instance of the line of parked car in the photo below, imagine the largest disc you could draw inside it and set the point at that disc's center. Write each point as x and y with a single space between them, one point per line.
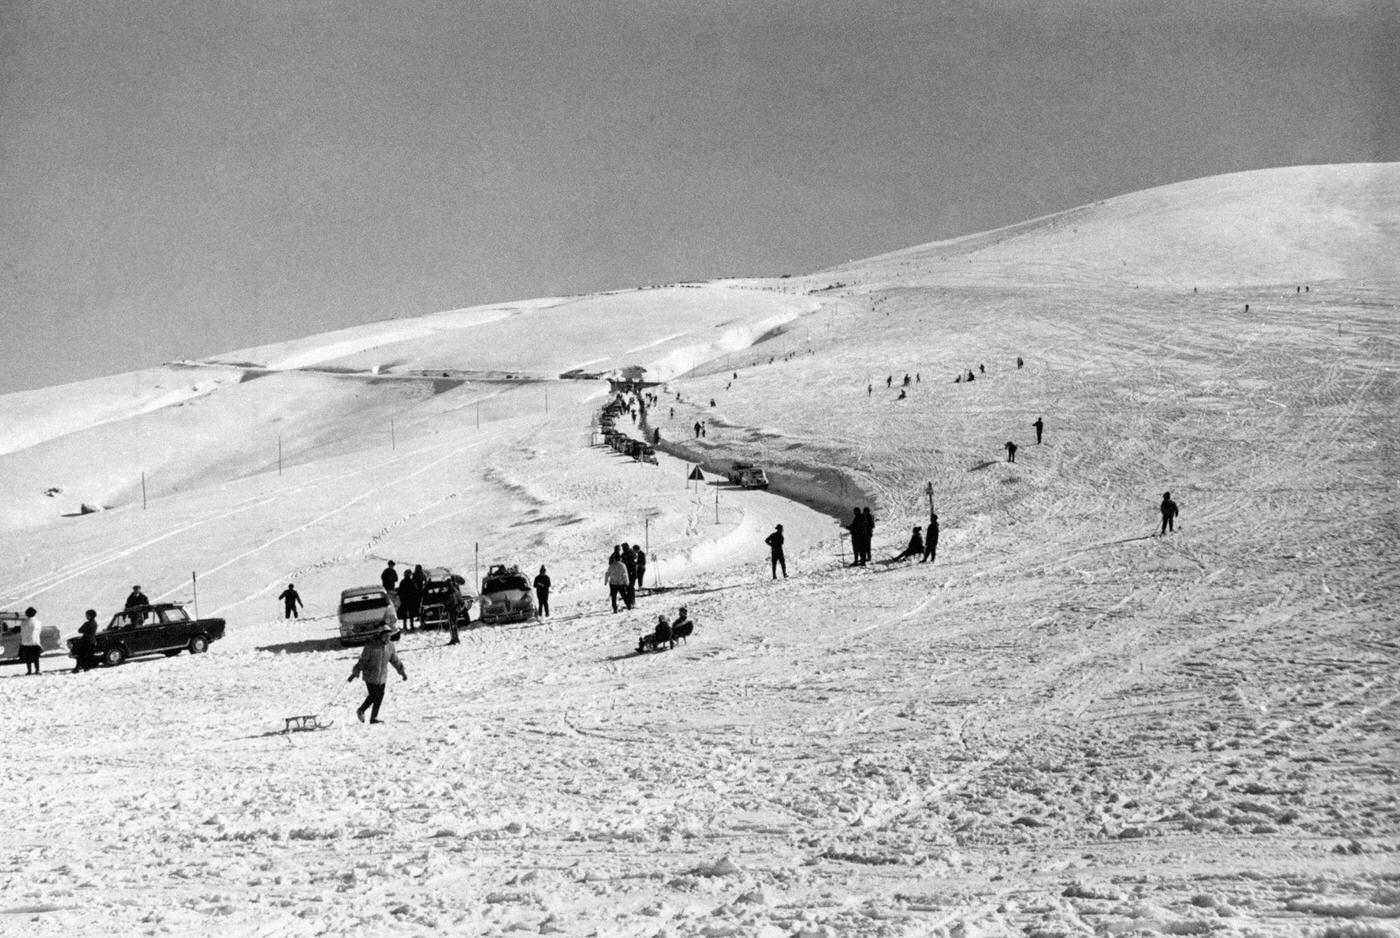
159 629
505 597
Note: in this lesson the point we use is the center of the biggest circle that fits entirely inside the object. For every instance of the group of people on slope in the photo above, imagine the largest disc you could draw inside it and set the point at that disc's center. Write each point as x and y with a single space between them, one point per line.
627 569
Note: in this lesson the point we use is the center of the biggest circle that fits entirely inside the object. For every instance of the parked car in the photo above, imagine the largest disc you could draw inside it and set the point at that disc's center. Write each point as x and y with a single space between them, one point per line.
506 596
161 628
363 609
747 475
49 638
443 599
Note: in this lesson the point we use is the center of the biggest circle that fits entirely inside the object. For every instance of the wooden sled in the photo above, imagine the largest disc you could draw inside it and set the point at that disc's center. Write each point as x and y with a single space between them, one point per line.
310 721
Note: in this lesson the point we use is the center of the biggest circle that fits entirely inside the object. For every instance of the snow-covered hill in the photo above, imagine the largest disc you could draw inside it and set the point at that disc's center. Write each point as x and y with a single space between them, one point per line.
1062 726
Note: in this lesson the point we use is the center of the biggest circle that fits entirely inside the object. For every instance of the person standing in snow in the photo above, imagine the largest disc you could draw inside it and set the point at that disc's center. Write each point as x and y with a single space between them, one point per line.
375 658
1169 514
29 647
542 592
291 602
639 561
775 547
915 548
1010 451
856 527
867 536
136 599
389 577
409 600
83 659
931 540
1039 428
616 578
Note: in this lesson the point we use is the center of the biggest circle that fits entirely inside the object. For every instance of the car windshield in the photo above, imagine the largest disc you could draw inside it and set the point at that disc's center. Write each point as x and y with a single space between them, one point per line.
362 603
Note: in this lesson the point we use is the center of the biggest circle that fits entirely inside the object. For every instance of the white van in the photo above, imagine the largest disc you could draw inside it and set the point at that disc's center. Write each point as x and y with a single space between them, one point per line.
363 610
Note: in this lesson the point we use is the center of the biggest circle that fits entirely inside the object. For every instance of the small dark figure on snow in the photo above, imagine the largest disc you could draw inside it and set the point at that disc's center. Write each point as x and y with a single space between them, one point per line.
375 659
869 390
906 379
857 529
931 540
902 395
697 429
1010 451
291 602
916 545
83 658
971 376
1039 428
542 592
1169 514
775 547
1019 362
889 381
982 368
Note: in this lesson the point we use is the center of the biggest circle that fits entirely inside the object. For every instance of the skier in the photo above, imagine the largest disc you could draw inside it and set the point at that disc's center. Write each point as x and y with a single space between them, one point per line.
931 540
775 545
916 545
1039 428
1010 451
291 601
375 658
542 592
1169 514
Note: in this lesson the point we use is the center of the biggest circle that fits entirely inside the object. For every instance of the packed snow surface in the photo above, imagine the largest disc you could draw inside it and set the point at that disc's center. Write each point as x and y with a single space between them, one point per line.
1064 725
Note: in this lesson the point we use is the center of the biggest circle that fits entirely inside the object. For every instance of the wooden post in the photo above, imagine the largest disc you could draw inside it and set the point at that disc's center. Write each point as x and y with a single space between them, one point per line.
143 491
194 579
716 504
393 442
476 567
928 489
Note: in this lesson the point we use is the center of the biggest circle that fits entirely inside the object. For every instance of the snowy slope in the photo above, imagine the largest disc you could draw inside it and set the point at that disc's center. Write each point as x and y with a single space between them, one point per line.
1063 726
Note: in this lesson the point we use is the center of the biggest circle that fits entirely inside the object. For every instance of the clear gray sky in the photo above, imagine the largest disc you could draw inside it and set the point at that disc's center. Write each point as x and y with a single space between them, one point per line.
181 179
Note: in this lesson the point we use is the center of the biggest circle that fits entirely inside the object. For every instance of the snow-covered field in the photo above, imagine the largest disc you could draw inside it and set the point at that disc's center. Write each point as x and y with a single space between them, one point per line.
1062 727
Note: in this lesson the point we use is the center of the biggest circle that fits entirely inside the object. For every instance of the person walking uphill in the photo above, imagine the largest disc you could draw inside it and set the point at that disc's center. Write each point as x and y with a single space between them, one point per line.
291 601
375 658
775 546
29 647
1169 514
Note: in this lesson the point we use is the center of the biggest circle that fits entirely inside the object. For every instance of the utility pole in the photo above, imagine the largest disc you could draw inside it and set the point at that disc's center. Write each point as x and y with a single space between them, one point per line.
194 579
393 442
143 491
928 490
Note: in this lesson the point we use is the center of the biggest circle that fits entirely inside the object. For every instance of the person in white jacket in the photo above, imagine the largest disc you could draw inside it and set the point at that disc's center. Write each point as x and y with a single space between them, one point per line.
376 657
29 648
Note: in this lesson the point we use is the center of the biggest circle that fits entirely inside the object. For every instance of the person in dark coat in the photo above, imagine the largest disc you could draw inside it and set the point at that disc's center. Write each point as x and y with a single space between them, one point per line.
376 657
409 601
135 600
1010 451
775 547
915 547
1039 428
542 592
1169 514
868 536
931 540
857 529
389 577
291 602
83 658
639 561
629 560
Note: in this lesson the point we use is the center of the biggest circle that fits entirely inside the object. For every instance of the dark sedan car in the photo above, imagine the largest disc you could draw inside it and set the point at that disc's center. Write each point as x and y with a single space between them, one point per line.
162 628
